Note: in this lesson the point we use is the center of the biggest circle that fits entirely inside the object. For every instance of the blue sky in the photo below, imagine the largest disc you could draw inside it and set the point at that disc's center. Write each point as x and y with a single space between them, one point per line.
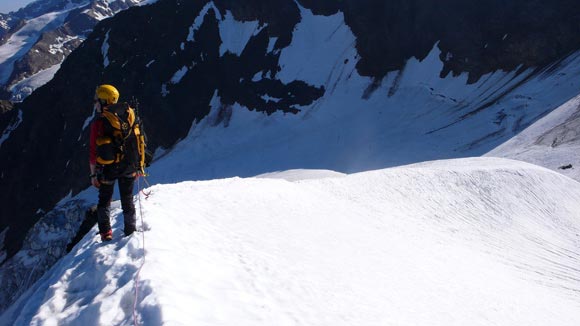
7 6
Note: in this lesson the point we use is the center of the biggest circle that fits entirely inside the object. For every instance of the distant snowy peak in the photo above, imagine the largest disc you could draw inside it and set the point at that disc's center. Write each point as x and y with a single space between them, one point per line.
8 23
41 7
36 39
4 22
102 9
15 20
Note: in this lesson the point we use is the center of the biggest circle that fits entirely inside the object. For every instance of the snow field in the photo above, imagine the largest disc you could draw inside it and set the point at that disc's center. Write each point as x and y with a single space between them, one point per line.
551 142
412 115
461 242
21 41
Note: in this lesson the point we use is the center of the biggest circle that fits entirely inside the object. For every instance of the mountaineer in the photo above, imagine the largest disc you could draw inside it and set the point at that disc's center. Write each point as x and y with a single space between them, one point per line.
116 153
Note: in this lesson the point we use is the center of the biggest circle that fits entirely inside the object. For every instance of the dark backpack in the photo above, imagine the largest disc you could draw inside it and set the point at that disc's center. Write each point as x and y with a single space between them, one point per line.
122 140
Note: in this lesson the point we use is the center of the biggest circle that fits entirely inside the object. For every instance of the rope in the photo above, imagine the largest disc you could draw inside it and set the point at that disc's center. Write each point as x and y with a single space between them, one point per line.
145 193
138 275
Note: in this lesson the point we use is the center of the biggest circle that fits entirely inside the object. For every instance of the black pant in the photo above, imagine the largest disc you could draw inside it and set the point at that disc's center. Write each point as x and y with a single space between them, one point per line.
104 206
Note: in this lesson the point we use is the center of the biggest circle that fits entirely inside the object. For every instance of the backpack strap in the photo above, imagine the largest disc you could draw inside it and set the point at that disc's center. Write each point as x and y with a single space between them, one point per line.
121 117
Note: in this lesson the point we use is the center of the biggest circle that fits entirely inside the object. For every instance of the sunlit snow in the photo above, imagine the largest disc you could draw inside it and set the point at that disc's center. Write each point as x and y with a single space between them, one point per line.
553 142
459 242
300 242
26 86
24 39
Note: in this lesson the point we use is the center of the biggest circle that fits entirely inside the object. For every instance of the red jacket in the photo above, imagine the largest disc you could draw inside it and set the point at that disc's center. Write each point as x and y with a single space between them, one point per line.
97 130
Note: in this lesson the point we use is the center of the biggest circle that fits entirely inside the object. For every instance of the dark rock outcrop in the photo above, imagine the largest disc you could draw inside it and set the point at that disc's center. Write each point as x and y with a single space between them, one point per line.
6 115
9 24
5 106
45 244
475 37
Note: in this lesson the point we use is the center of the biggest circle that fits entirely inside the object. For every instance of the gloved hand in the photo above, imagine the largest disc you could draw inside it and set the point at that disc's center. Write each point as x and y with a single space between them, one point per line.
95 182
96 174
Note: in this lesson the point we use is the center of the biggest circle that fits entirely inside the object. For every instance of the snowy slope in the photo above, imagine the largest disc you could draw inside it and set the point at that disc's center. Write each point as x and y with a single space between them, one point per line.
552 142
359 124
477 241
23 40
50 31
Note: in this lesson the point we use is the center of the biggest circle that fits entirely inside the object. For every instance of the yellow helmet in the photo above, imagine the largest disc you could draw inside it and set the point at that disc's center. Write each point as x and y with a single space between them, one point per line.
107 93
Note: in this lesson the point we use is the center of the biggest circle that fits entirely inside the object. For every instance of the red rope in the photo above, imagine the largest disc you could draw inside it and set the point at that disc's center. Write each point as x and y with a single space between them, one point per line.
138 275
146 193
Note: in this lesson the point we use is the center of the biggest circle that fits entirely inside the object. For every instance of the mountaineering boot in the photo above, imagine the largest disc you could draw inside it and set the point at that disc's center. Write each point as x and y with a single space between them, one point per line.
107 236
129 230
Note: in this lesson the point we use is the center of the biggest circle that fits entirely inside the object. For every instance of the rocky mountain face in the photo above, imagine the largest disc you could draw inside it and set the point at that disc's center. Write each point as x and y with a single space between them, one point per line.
48 44
5 116
8 23
45 243
168 55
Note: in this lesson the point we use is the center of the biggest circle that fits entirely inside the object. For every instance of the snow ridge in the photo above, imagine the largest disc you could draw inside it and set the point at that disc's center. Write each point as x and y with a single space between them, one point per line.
478 241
